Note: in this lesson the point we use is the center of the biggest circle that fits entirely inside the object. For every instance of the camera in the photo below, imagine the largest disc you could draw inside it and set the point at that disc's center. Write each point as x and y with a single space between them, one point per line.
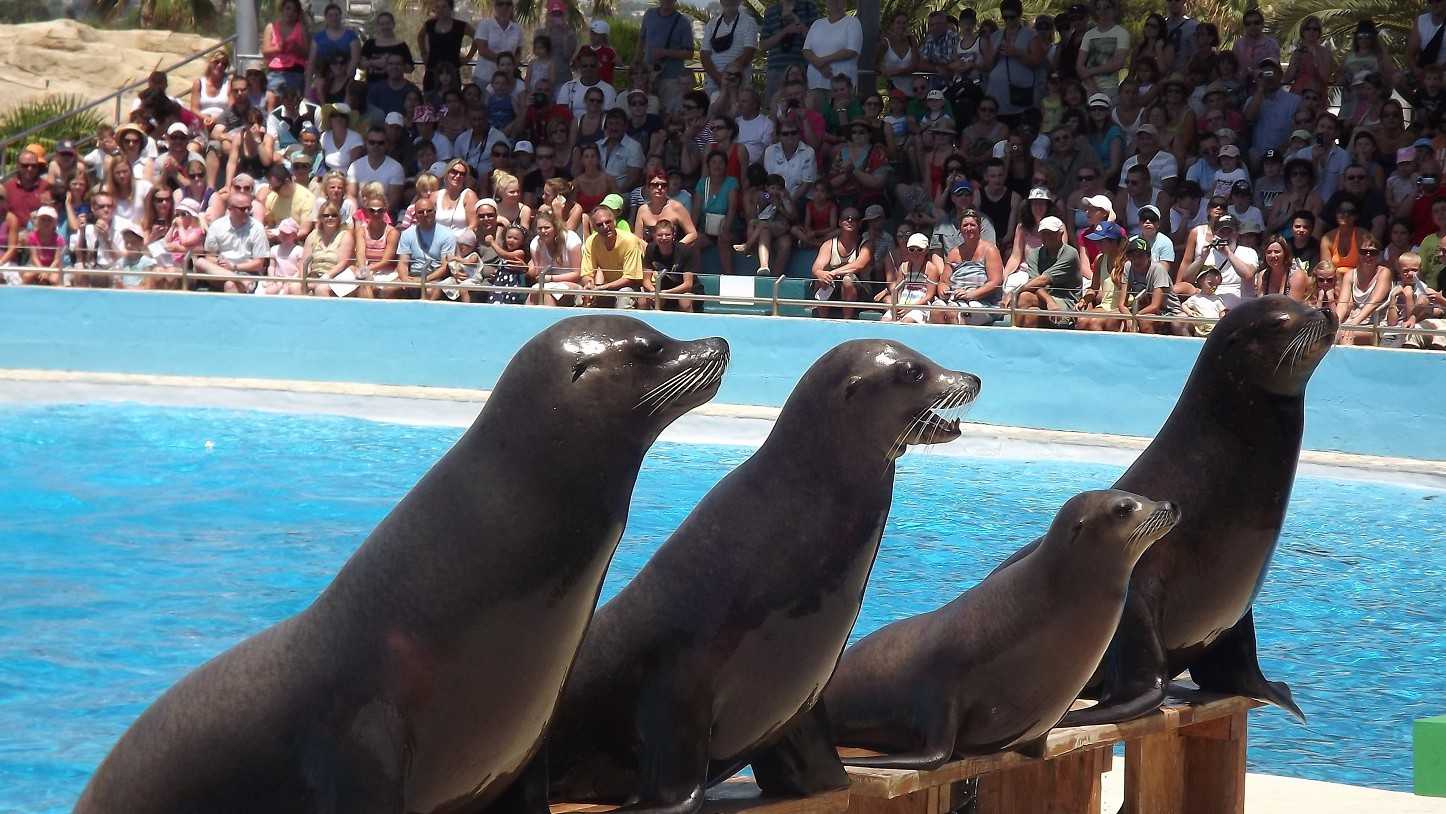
1267 74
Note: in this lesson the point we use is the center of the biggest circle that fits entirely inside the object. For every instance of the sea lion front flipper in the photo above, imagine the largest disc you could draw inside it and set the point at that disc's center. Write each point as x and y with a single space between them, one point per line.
674 729
802 761
528 792
940 728
1128 695
1230 665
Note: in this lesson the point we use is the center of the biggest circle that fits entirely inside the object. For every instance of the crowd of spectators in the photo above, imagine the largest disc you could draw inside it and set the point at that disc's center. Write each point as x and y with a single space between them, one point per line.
1059 166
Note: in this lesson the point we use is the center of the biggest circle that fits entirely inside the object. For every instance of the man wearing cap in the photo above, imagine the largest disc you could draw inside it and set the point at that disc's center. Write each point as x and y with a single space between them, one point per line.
1270 111
376 165
64 165
1401 183
791 159
1242 206
1054 277
1326 155
1162 248
597 45
642 126
573 93
621 156
28 189
1218 248
495 35
236 247
1271 181
729 42
612 260
390 94
667 40
1161 163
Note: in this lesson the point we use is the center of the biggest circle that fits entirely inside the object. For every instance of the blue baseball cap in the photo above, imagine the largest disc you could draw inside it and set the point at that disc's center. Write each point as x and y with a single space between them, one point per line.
1108 230
960 188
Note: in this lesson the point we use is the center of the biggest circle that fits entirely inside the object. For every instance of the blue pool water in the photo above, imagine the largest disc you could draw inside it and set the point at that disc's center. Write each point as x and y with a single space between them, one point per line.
133 550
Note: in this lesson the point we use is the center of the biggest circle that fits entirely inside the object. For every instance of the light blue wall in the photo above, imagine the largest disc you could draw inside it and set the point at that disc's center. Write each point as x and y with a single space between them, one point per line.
1361 400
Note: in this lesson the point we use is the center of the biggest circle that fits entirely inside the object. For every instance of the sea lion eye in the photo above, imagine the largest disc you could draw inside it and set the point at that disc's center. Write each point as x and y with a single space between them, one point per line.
652 347
912 372
1124 509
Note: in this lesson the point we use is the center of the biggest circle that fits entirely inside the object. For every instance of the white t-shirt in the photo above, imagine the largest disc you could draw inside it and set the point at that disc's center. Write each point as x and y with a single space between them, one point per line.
825 38
338 156
544 258
745 35
801 169
499 39
108 254
755 134
390 173
1162 166
619 160
1209 307
1099 47
1230 282
134 207
573 93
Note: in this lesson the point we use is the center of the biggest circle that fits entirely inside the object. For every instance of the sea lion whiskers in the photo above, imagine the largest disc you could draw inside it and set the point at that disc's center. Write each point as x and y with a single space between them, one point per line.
656 391
1300 344
680 385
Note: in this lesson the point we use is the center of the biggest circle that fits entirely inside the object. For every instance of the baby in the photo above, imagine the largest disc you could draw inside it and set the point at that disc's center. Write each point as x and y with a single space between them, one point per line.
1205 304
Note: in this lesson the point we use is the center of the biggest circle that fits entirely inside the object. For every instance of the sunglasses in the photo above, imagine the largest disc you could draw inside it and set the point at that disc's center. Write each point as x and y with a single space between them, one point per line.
375 210
424 212
240 188
658 184
848 216
788 132
330 215
196 176
458 173
102 206
1370 251
1089 177
914 250
239 208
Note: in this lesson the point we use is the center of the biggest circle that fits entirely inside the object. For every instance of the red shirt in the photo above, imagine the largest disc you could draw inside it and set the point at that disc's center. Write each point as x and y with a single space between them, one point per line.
24 201
538 118
1421 223
606 59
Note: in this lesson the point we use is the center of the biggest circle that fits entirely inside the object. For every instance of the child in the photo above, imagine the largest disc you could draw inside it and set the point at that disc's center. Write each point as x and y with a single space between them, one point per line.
598 46
1052 104
186 234
1205 303
540 68
1231 170
936 112
820 218
285 261
501 104
43 249
1429 100
106 146
465 267
134 259
897 122
513 271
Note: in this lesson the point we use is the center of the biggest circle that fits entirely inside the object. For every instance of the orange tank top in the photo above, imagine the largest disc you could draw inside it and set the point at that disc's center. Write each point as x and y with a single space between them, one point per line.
1348 259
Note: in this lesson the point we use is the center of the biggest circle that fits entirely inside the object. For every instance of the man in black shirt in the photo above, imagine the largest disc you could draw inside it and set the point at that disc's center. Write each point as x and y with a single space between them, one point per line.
1370 203
545 168
1303 242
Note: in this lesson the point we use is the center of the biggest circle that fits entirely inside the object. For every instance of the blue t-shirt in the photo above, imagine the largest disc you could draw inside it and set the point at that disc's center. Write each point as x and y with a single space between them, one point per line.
326 47
425 250
671 33
500 110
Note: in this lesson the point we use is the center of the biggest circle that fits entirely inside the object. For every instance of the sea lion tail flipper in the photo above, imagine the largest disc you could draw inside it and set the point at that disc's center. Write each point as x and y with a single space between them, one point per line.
1230 665
940 729
802 761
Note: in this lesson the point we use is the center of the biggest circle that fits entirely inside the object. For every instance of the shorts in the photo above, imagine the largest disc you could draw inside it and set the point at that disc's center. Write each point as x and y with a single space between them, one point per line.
965 306
276 80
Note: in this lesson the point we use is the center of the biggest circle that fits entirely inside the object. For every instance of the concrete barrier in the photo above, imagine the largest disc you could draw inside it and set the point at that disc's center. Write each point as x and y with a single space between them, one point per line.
1363 400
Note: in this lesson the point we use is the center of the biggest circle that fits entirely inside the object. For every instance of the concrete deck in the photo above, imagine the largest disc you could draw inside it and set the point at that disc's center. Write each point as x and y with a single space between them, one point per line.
1269 794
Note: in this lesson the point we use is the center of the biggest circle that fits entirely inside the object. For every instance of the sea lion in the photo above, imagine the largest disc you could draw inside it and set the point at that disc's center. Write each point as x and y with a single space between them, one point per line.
998 667
730 632
422 678
1227 455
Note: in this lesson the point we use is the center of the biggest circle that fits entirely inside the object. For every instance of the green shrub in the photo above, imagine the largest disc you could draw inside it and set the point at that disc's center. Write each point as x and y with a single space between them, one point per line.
624 34
37 111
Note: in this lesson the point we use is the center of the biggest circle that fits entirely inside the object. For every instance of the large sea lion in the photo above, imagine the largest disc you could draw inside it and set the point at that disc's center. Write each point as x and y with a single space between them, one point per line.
422 678
999 666
729 633
1227 455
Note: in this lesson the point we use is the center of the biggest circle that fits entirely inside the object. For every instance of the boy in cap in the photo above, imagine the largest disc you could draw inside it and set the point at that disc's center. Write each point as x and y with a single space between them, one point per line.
597 46
134 258
1205 303
614 202
1054 277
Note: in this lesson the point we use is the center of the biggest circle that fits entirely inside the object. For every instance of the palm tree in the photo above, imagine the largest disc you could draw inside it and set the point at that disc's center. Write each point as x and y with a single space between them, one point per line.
1393 20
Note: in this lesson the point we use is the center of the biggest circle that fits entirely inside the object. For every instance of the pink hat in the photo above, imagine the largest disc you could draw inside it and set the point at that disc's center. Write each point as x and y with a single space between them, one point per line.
288 226
556 6
1405 154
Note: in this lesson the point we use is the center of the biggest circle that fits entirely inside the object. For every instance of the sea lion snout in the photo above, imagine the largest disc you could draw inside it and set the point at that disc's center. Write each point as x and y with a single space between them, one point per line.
1162 516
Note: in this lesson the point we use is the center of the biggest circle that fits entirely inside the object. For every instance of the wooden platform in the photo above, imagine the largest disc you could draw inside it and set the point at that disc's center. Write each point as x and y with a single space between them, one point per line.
1188 757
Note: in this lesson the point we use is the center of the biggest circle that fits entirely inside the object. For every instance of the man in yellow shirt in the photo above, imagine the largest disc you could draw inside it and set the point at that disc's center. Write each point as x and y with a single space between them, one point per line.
611 260
286 199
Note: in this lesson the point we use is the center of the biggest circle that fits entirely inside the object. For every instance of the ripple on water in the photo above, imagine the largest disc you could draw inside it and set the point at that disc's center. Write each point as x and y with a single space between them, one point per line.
134 553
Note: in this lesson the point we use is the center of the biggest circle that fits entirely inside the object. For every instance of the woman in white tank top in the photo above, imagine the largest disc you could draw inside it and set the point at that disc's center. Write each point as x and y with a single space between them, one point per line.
211 93
899 68
456 204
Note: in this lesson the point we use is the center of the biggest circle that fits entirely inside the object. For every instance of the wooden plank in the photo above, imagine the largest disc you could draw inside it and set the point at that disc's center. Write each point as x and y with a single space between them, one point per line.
1067 785
740 795
1185 707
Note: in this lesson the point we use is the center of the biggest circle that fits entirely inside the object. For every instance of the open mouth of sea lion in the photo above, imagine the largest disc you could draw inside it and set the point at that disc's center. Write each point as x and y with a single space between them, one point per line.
938 422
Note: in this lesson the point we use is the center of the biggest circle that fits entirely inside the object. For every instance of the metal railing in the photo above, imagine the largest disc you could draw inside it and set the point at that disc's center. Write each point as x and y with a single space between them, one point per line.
184 278
117 96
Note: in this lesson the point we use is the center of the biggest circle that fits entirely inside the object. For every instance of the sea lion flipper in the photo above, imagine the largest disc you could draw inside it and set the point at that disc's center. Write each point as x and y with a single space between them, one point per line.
941 729
674 727
1230 665
802 761
1134 670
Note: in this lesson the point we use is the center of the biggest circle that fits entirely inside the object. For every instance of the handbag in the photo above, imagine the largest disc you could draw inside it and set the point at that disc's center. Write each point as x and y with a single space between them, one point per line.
722 42
1019 95
712 224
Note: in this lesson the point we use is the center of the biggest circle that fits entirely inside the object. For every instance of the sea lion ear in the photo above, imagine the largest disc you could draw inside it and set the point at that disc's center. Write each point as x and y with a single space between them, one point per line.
852 385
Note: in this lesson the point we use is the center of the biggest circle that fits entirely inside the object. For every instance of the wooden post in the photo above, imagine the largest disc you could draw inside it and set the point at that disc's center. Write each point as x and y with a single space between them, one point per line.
1197 769
1065 785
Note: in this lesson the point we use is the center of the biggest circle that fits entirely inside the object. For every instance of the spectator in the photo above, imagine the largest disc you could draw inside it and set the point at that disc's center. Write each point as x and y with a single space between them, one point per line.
1162 247
974 278
715 207
423 246
329 254
332 41
1011 56
785 26
187 235
236 248
1244 210
621 156
912 282
832 49
1161 164
1326 156
376 241
494 36
29 189
1304 245
1276 267
667 39
1054 281
389 94
1217 245
1138 192
1341 246
574 92
1254 47
561 41
511 211
729 42
1103 51
128 192
440 41
841 262
671 268
939 53
1361 292
286 199
1271 110
286 47
383 44
898 56
612 260
658 206
1107 296
556 264
285 264
43 249
597 46
1205 303
211 92
376 165
1370 204
1422 306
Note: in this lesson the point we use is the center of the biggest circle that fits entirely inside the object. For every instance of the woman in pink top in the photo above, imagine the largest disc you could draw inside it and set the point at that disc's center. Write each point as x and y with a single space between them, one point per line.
44 248
286 45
